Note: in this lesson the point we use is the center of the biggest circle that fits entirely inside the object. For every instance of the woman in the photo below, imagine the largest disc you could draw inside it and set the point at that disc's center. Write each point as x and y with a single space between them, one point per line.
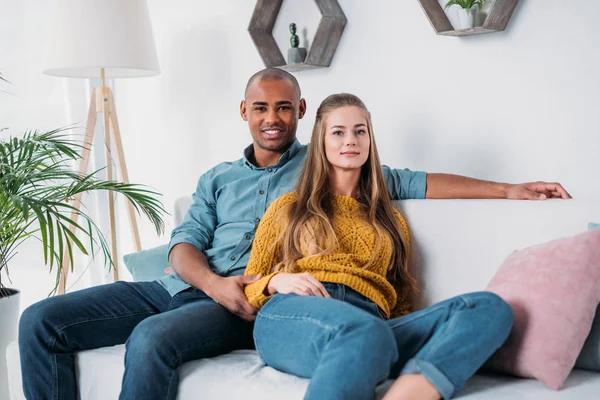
335 286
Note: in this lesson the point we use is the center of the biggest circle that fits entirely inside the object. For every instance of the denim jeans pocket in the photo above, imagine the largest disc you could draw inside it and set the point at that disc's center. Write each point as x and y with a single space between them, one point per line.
363 302
376 309
186 296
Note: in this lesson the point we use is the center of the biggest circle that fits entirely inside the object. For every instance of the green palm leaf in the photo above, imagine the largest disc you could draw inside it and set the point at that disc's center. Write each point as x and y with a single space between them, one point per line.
37 184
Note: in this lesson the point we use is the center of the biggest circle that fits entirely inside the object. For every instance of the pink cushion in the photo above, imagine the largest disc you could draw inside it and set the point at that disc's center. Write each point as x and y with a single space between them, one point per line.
554 290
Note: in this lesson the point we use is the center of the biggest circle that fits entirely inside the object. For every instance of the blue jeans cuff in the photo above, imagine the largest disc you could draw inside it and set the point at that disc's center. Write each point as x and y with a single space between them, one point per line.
433 375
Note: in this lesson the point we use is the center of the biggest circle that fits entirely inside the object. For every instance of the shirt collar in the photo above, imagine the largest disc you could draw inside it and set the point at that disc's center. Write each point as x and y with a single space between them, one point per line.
285 157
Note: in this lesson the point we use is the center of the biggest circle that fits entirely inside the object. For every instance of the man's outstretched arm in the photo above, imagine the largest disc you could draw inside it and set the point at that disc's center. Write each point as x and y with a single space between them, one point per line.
447 186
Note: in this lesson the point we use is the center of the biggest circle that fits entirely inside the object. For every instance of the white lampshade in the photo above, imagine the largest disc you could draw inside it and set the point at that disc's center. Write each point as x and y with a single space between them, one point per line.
87 35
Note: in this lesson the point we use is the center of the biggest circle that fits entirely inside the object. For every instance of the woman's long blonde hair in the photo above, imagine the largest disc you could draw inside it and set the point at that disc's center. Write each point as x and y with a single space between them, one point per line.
308 220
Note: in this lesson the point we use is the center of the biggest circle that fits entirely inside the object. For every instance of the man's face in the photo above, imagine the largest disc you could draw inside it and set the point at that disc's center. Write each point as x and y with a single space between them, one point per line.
272 109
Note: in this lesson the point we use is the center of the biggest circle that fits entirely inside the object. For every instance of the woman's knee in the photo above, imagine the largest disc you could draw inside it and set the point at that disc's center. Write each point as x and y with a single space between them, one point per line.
376 335
497 311
501 309
377 349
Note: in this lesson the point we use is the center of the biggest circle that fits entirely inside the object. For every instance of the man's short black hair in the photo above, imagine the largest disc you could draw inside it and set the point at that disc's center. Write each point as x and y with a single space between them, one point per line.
273 74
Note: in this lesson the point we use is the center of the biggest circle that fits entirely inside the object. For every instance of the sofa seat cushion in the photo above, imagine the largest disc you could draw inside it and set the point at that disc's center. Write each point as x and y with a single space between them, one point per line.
242 375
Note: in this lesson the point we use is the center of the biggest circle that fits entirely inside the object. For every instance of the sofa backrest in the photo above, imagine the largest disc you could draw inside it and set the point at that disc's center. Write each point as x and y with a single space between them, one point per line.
459 244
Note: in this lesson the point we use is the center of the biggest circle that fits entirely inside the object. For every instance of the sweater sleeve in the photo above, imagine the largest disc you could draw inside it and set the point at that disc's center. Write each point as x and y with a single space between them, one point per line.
265 253
257 292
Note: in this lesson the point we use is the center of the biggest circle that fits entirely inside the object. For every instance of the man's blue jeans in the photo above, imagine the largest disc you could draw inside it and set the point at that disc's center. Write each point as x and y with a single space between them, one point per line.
345 346
161 333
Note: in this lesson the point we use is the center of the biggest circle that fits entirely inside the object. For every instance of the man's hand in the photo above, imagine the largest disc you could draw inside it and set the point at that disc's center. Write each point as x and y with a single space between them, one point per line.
229 292
537 191
303 284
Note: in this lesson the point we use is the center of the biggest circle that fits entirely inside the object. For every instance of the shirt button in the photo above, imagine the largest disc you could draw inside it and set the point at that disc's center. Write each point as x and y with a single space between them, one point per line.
247 237
257 219
270 169
232 257
261 191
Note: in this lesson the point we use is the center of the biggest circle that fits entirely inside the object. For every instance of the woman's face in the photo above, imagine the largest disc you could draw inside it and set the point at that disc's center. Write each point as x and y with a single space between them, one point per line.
347 140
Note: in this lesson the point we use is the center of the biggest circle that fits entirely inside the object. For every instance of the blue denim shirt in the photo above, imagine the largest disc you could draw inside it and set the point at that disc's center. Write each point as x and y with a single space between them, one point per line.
232 197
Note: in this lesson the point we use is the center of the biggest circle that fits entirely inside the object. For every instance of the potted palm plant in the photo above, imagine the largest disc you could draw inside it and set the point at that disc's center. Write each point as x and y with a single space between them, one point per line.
465 12
37 185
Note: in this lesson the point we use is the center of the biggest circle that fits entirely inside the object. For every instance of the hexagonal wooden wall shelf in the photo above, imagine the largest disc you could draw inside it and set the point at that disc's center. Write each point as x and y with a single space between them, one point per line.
496 20
323 45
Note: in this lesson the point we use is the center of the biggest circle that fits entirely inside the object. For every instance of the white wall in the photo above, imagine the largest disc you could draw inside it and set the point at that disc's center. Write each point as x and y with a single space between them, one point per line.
34 102
513 106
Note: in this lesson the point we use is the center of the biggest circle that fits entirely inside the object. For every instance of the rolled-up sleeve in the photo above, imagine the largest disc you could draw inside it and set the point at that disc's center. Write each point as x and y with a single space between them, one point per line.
405 184
198 226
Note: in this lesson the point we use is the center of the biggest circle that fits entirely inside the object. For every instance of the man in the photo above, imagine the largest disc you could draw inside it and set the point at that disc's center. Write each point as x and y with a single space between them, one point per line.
201 311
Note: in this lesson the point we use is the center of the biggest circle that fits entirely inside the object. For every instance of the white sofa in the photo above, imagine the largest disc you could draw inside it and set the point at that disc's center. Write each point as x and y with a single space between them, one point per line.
458 245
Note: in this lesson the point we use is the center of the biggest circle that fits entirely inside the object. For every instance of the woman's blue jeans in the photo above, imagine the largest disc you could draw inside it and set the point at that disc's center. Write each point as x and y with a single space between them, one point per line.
346 347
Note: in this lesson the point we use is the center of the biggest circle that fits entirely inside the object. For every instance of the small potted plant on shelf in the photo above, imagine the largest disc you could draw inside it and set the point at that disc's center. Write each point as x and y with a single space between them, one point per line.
465 12
296 55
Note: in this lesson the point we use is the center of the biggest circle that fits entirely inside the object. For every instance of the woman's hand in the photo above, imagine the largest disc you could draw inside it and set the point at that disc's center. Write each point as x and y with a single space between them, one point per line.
303 284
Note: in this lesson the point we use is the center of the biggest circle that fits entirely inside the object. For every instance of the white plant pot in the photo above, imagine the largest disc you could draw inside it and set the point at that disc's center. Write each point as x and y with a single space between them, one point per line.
460 18
9 318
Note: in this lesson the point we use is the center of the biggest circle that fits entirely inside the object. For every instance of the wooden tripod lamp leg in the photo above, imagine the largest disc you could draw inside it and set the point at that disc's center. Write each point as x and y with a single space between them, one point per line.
114 125
83 165
103 101
109 177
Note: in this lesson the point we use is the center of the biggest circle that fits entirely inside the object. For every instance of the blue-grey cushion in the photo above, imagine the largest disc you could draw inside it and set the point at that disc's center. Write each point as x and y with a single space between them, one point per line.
148 265
589 358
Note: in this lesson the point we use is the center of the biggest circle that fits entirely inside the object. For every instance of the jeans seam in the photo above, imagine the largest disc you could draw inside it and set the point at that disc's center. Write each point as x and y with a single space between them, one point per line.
52 341
449 328
173 373
172 300
81 321
258 350
406 319
299 318
55 376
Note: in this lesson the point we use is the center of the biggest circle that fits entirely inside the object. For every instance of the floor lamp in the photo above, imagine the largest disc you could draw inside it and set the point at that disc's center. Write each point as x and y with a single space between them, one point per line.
102 39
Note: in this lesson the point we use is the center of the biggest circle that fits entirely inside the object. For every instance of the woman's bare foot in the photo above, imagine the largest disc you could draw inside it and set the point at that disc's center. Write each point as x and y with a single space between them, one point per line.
412 387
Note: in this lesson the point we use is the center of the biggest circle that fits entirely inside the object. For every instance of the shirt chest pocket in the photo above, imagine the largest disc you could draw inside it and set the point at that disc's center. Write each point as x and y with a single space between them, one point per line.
233 211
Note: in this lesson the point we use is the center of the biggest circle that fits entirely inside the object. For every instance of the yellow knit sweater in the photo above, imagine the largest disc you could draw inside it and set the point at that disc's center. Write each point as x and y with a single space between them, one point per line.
354 248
